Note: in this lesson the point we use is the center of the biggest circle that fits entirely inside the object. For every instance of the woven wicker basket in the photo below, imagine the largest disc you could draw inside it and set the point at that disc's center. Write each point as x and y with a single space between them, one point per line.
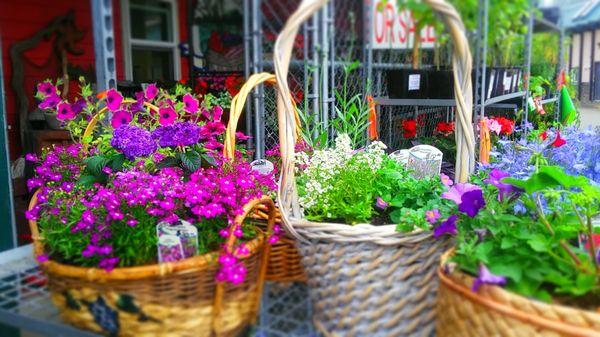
177 299
367 280
493 311
284 261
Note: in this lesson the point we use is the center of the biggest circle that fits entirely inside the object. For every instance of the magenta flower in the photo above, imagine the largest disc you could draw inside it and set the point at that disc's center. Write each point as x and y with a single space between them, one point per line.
217 112
46 88
432 216
381 204
190 103
49 102
166 115
495 178
446 180
31 157
151 92
113 100
486 277
446 227
64 112
472 202
42 258
211 129
120 117
241 136
456 192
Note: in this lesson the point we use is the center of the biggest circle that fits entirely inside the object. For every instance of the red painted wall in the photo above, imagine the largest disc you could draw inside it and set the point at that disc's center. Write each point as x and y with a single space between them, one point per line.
20 19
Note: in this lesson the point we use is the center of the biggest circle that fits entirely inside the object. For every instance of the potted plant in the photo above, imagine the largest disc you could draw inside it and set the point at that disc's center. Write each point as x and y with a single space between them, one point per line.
366 227
141 224
526 261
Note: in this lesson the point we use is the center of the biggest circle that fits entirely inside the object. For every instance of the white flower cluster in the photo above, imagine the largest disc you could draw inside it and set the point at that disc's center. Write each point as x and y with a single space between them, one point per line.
320 169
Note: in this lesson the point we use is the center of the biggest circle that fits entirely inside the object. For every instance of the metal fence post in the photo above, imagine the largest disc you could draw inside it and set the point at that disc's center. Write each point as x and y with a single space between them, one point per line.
104 44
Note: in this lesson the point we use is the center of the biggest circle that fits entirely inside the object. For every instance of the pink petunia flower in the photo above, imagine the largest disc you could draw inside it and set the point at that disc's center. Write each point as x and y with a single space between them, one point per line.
190 103
113 100
46 88
241 136
151 92
50 102
166 115
64 112
120 117
456 192
446 180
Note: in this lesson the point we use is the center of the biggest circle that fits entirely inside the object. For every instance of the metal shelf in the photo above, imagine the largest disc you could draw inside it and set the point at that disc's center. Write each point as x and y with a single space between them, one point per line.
549 100
385 101
502 98
25 303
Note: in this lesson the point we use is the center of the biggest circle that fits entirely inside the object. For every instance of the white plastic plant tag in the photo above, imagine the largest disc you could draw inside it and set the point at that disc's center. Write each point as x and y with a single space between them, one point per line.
263 166
401 156
185 232
425 161
414 82
169 249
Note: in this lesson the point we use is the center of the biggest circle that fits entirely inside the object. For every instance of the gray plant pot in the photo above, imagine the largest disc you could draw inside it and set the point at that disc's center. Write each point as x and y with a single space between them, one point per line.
52 121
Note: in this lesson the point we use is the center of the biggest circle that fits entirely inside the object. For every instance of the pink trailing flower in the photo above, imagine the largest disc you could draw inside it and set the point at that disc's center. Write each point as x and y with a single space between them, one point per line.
151 92
381 204
190 103
167 115
113 99
446 180
120 117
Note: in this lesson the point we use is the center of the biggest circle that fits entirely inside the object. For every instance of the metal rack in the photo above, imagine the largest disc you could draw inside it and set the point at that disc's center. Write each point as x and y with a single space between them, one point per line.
25 303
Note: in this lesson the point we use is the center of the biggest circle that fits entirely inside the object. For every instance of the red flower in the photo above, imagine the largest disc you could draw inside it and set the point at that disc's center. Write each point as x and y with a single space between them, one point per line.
215 43
558 141
506 124
596 238
445 128
201 87
421 120
410 128
544 135
233 84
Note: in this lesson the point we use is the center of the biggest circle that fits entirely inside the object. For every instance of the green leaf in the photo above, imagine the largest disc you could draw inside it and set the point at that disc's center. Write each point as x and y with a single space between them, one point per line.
95 164
88 180
117 161
209 159
191 160
510 270
547 177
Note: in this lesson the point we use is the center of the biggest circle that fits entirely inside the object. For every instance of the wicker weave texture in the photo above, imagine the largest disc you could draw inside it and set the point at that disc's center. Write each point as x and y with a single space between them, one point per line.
366 289
493 311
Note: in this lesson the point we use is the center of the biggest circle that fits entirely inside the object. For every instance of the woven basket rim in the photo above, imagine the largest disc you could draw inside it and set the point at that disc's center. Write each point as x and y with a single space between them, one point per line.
467 293
194 263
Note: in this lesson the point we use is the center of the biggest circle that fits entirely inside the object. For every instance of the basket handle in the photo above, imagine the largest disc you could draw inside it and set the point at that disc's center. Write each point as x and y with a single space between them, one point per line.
462 64
264 201
237 108
96 118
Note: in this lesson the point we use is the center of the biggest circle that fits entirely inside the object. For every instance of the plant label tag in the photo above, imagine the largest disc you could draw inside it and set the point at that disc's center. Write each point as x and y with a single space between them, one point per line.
425 161
263 166
401 156
414 82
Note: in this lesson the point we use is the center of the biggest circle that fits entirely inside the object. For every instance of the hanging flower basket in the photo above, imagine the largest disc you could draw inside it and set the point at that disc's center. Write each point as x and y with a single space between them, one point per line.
368 279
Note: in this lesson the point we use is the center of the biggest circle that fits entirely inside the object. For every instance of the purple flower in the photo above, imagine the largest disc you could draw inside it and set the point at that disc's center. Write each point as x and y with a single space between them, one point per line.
50 102
446 180
166 115
456 192
472 202
120 117
78 106
31 157
495 178
133 141
151 92
486 277
446 227
42 258
190 103
381 204
432 216
241 136
113 100
46 88
178 134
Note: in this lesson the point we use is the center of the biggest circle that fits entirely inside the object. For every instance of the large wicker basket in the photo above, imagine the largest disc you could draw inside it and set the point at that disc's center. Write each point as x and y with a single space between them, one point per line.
169 299
493 311
367 280
284 260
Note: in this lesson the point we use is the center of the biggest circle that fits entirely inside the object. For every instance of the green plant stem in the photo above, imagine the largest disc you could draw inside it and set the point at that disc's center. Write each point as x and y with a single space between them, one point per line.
563 244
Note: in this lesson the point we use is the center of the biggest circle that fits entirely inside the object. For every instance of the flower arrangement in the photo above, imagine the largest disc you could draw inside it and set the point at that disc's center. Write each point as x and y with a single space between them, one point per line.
155 159
526 234
366 186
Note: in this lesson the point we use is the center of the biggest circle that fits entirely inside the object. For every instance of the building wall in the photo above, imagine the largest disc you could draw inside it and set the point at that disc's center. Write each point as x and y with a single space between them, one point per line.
21 19
587 56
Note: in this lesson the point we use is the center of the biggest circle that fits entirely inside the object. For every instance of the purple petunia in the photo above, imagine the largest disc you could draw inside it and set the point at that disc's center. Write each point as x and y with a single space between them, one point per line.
486 277
178 134
495 178
472 202
46 88
456 192
49 102
381 204
133 141
446 227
